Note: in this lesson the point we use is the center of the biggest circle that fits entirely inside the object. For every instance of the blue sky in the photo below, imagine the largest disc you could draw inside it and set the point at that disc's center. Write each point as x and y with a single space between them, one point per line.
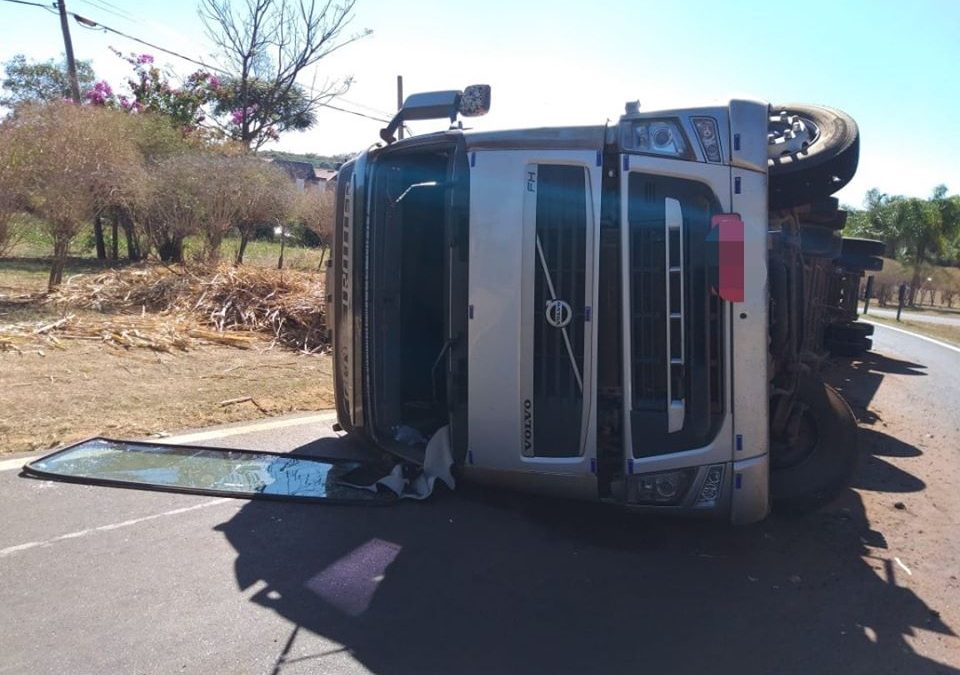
889 64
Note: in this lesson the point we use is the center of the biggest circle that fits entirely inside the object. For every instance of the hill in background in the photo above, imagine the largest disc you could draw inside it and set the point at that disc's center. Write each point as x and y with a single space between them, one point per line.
319 161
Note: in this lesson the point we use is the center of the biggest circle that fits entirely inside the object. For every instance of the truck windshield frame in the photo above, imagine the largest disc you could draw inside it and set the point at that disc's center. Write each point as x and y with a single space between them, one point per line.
414 352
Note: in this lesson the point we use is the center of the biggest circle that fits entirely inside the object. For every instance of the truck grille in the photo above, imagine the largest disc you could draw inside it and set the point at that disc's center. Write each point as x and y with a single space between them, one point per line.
561 240
682 298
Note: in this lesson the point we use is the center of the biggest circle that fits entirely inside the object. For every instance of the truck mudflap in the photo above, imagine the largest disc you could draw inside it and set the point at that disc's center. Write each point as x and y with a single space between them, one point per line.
246 474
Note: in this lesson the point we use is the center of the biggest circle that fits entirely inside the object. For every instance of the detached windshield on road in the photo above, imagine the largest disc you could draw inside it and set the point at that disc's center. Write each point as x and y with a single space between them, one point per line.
235 473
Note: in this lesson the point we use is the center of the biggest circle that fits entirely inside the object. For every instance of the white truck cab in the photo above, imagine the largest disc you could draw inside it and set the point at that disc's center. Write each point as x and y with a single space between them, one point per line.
585 311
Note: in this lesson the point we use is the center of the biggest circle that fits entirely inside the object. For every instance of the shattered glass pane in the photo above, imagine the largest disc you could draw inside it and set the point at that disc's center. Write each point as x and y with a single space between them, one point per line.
240 473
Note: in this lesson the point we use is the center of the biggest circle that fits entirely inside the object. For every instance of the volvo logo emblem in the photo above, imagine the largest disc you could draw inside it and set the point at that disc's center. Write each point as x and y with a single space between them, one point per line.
558 313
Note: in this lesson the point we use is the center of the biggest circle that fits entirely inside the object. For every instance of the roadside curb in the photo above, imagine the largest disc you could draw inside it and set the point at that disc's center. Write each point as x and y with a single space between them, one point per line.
17 462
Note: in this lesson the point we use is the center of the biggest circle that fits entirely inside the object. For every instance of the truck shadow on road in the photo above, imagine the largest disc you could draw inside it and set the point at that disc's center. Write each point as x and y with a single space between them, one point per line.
479 581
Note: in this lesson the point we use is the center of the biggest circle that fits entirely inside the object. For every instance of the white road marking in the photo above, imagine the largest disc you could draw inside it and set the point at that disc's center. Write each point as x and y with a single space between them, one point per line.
16 464
247 428
11 464
945 345
10 550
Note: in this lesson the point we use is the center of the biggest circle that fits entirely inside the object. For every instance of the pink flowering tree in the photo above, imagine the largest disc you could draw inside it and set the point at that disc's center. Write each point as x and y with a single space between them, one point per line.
253 113
250 113
151 90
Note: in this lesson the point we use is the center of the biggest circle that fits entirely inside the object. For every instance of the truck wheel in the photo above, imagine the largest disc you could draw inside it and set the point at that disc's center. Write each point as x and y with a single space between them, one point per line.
824 212
813 152
852 347
860 263
868 247
813 462
848 332
819 241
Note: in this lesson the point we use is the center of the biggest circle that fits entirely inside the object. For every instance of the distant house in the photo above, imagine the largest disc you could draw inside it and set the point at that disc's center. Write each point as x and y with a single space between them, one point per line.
302 173
327 177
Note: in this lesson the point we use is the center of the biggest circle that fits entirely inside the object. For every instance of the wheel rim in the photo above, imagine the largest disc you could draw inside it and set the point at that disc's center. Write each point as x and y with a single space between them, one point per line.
789 133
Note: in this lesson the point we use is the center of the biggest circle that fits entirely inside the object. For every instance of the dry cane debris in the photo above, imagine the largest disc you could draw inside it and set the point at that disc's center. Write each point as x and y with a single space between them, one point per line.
169 308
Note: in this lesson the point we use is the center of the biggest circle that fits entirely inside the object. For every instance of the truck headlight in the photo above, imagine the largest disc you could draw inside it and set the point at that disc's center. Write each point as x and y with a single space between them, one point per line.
662 137
664 488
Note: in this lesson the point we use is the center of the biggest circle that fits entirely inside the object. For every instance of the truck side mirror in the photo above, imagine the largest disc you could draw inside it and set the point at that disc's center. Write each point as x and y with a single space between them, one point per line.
471 102
475 100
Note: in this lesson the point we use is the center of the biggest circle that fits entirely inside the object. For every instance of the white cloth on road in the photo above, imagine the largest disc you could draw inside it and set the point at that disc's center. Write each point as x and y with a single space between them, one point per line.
437 465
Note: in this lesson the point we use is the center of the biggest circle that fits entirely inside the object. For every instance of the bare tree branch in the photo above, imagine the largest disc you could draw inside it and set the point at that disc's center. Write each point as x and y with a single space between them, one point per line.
266 45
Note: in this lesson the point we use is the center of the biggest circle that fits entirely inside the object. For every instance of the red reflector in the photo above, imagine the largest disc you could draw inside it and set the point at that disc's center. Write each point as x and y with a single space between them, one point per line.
729 235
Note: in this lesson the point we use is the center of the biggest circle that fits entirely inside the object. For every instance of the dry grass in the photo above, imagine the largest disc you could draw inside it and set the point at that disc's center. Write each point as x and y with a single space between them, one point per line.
945 332
150 331
151 349
166 308
53 396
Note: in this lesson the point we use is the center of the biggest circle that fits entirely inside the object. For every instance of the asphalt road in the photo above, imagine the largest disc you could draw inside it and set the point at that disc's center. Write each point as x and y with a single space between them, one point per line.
101 580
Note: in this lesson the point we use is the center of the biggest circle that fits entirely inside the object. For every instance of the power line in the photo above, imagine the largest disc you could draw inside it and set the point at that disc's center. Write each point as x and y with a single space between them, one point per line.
103 7
94 25
83 21
379 111
354 112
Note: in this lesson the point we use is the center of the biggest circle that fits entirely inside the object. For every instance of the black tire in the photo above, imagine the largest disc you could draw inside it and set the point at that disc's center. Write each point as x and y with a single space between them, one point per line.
848 331
869 247
824 212
819 241
836 222
817 171
849 348
804 479
861 263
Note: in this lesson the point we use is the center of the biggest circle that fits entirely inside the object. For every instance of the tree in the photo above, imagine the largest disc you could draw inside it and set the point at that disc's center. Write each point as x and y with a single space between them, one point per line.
205 193
314 209
292 111
925 227
265 45
152 91
157 138
41 81
268 198
877 220
174 209
8 208
66 164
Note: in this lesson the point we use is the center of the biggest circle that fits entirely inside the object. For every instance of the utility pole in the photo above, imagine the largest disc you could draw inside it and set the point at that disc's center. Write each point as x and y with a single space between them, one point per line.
68 48
400 103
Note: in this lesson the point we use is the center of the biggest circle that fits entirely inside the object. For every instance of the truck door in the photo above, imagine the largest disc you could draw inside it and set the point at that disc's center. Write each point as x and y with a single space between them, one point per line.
532 287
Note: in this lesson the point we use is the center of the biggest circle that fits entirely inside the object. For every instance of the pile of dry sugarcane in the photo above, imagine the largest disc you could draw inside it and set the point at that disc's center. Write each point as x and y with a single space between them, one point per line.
168 305
161 333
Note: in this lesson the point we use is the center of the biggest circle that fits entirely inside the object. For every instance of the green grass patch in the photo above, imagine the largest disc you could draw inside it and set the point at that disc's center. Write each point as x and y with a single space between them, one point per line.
29 275
944 332
262 253
34 246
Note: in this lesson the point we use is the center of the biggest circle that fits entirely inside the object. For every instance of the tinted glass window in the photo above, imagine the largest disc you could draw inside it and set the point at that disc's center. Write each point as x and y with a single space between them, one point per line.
240 473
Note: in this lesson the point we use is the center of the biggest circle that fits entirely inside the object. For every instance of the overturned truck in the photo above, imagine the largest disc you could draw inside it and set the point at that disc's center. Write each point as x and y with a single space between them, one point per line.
635 313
